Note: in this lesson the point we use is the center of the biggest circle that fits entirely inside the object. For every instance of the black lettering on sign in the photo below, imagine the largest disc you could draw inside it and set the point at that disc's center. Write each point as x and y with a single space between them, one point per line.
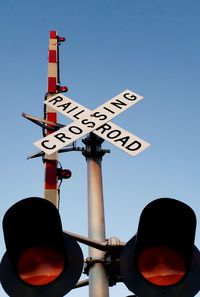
111 111
56 99
104 128
99 115
61 136
123 140
75 130
118 104
43 143
135 145
113 134
130 97
64 106
88 123
76 115
72 109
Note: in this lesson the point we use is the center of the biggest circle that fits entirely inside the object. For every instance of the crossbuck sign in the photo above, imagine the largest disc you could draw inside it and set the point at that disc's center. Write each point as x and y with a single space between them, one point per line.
96 121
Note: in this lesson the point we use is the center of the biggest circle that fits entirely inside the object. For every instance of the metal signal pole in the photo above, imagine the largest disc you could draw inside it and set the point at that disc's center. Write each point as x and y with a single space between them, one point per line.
98 280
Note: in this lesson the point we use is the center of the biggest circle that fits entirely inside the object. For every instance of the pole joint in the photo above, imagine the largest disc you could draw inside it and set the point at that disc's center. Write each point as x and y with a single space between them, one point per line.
93 147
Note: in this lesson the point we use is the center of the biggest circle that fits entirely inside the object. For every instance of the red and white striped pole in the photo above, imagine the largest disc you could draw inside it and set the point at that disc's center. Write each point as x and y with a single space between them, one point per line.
51 191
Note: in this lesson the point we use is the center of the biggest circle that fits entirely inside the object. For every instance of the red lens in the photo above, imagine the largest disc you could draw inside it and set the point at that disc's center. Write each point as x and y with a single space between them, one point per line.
61 39
161 266
63 89
40 266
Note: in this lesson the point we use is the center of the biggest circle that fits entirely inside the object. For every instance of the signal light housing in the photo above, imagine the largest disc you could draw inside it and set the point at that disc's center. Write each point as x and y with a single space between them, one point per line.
63 173
62 89
40 259
161 259
61 38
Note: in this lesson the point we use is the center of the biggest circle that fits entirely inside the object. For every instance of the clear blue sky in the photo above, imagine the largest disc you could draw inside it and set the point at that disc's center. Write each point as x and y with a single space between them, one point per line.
151 47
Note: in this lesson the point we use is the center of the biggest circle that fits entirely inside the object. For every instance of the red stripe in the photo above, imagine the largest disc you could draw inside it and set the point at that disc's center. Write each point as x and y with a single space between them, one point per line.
52 56
52 34
51 165
51 84
51 116
50 175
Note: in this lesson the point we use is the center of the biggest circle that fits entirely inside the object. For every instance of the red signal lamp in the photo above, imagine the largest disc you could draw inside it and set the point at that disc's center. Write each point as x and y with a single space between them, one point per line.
161 260
40 265
61 38
62 89
40 259
63 173
161 266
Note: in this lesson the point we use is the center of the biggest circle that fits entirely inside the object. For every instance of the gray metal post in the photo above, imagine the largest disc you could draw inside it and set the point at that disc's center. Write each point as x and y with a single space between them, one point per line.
98 281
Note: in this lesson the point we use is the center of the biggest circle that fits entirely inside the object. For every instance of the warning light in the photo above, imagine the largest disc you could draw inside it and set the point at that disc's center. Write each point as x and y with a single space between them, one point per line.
161 259
61 38
62 89
40 266
63 173
161 266
40 259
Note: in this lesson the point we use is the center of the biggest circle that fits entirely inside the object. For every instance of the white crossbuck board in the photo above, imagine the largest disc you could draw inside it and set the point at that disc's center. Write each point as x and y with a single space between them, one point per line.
96 121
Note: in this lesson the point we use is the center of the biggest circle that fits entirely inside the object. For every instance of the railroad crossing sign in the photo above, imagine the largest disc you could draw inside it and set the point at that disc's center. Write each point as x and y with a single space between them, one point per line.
96 121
